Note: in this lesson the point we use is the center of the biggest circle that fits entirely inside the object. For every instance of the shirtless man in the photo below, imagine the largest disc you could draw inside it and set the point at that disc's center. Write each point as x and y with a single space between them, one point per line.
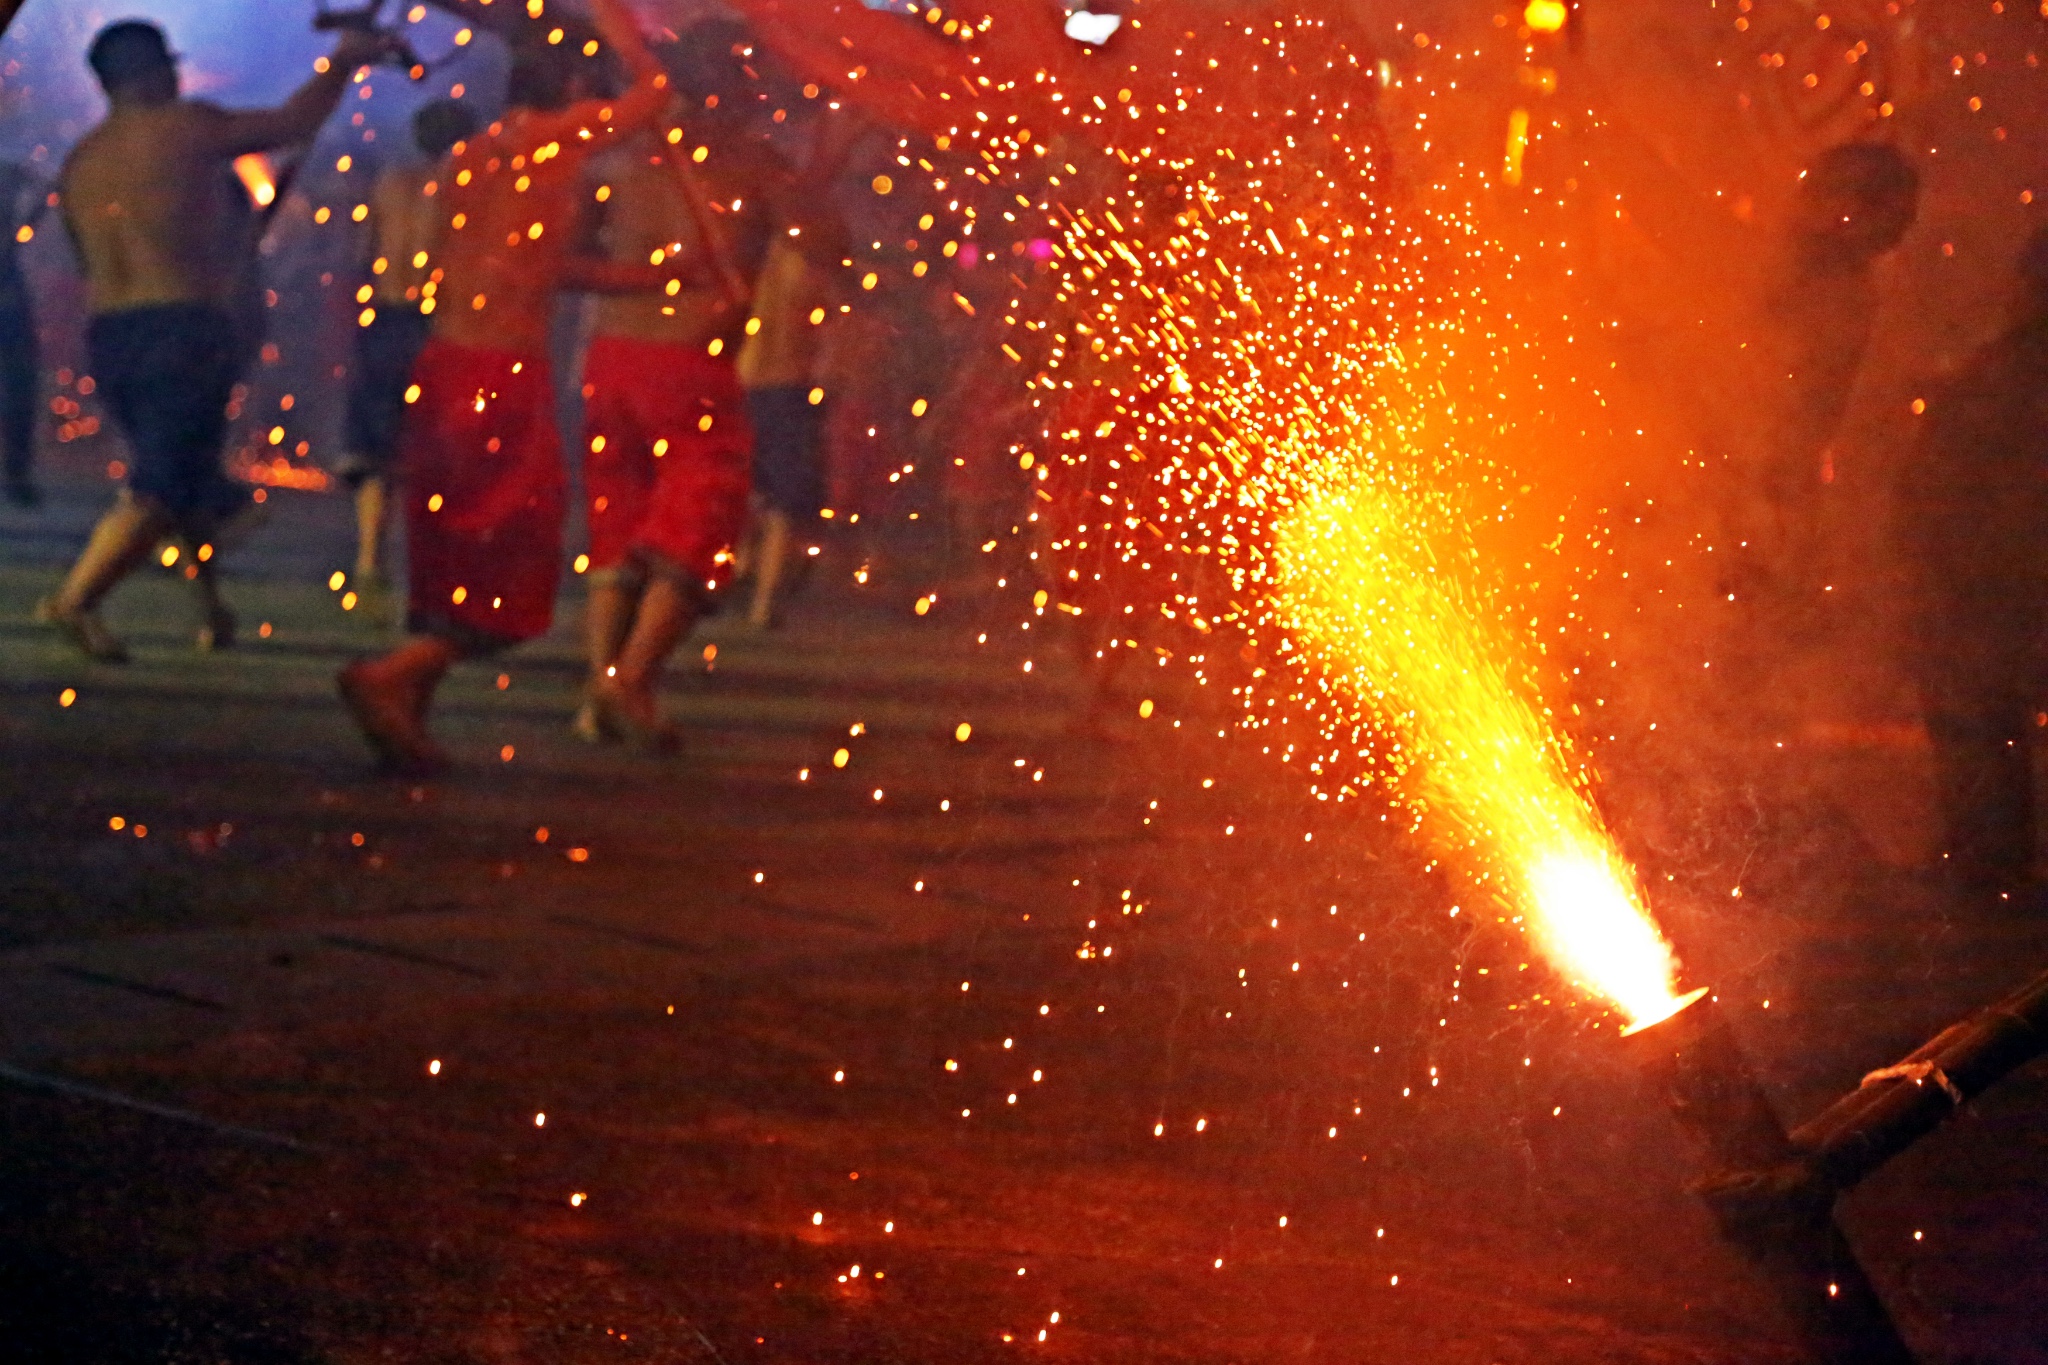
480 458
779 367
665 430
406 224
145 198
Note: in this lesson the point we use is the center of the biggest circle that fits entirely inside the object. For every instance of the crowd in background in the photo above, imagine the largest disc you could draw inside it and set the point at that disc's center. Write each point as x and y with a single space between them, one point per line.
637 268
730 313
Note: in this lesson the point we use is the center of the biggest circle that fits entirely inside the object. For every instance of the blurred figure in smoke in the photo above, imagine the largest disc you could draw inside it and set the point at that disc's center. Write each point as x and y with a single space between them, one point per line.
1855 204
18 361
406 223
779 366
152 206
1972 508
480 457
668 447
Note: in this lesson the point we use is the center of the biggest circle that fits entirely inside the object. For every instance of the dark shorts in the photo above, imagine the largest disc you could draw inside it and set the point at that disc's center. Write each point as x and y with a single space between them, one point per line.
384 356
789 466
167 373
18 392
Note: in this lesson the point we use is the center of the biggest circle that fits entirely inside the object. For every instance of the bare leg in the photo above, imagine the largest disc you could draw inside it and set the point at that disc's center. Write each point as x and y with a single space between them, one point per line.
771 556
607 619
667 611
217 623
370 505
118 543
389 696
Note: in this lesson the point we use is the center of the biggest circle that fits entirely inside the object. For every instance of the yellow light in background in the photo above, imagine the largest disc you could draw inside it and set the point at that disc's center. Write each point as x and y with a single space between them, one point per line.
254 172
1518 146
1546 16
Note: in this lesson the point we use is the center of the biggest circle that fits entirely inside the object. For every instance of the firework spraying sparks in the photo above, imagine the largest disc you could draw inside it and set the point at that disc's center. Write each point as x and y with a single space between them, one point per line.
1269 402
1473 755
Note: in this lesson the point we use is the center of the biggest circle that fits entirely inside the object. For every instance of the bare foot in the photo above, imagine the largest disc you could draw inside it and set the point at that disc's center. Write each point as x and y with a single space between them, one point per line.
637 716
84 629
218 632
386 713
593 723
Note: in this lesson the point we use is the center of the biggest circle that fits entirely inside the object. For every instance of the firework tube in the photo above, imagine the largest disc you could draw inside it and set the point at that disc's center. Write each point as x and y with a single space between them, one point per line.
1759 1189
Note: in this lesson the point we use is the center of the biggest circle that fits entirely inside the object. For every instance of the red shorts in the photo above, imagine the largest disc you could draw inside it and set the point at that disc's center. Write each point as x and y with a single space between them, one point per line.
663 485
484 495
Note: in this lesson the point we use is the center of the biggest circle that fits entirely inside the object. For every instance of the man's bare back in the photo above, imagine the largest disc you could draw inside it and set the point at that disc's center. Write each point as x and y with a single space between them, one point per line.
647 208
145 194
514 196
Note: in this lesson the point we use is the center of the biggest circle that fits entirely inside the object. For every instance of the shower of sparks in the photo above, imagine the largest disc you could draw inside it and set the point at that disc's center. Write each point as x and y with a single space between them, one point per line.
1271 404
1470 752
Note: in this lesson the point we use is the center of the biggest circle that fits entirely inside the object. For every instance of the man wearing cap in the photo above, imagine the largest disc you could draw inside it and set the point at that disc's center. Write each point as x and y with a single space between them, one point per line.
146 202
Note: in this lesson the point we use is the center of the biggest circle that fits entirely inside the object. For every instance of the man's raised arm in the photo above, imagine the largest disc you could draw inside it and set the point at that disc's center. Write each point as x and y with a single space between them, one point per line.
240 131
642 101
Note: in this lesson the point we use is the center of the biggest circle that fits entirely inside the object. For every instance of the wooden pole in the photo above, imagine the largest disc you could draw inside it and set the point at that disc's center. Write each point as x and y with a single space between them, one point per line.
1899 1105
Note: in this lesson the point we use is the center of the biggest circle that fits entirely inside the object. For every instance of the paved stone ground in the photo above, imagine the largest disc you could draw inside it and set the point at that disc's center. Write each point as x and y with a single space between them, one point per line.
825 1077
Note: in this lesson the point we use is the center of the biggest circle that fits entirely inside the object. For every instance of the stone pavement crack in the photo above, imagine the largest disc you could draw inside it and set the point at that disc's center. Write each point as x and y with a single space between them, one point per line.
123 983
79 1090
418 959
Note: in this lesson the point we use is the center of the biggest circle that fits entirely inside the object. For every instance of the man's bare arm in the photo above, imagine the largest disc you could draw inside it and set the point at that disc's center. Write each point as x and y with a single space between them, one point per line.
236 132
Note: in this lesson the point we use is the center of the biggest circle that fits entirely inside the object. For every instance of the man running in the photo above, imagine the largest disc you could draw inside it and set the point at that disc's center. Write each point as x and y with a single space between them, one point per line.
480 457
146 200
665 431
779 365
406 223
